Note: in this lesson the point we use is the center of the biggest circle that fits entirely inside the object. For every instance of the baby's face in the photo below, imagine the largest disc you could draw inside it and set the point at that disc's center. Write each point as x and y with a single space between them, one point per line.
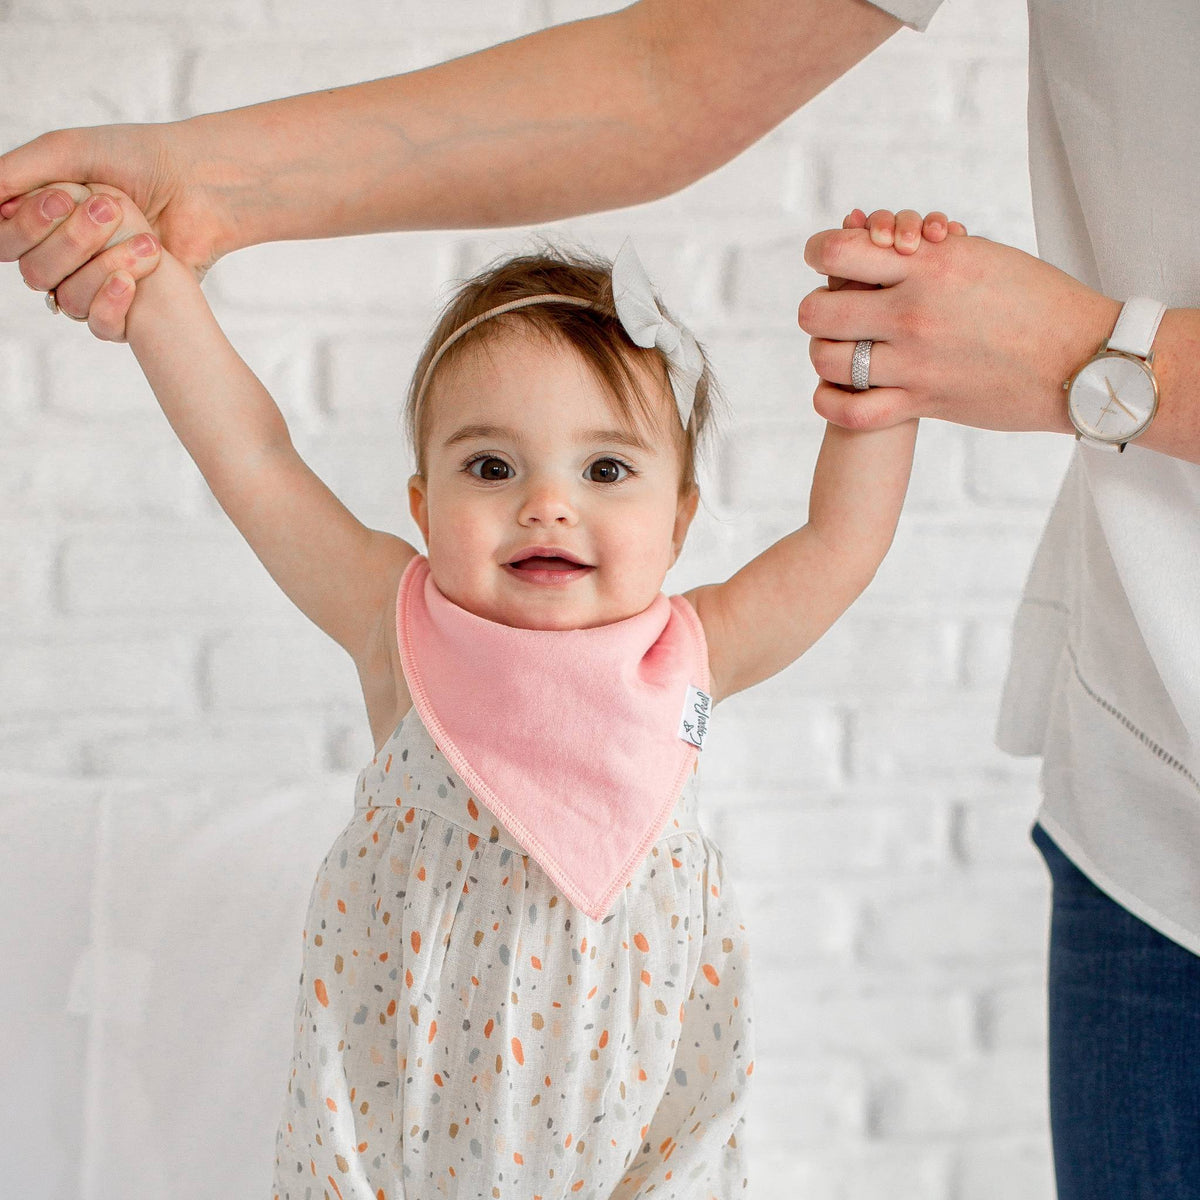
537 480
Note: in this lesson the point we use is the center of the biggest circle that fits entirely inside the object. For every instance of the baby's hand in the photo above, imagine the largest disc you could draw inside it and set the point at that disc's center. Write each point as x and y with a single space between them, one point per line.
102 291
903 230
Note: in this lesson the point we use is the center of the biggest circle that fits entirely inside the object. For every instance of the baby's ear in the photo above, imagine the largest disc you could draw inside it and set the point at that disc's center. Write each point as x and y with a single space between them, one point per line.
690 499
683 518
417 501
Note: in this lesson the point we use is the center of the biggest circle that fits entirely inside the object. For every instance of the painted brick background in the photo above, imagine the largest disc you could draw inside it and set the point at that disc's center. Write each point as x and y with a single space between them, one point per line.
877 839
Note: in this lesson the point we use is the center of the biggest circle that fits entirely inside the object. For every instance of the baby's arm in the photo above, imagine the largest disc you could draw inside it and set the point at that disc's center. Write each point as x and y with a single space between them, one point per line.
340 574
767 615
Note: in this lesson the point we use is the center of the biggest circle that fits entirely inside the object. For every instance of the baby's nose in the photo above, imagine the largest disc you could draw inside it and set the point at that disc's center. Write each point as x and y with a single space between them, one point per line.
549 501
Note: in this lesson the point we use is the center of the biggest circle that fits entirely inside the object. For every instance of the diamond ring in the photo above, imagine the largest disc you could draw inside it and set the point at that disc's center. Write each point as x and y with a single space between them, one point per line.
860 365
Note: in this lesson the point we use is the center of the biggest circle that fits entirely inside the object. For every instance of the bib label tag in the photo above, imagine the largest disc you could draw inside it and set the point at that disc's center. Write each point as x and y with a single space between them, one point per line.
693 721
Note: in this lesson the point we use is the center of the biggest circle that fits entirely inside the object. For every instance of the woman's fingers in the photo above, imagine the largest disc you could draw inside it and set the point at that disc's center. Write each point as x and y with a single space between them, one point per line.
77 252
135 257
35 216
832 361
106 317
876 408
101 220
60 154
882 403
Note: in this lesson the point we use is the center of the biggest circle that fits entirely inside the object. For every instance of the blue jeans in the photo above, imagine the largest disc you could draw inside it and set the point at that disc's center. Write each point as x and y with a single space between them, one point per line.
1124 1047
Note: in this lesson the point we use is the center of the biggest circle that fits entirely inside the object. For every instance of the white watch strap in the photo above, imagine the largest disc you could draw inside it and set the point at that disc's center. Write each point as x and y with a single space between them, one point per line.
1097 444
1136 326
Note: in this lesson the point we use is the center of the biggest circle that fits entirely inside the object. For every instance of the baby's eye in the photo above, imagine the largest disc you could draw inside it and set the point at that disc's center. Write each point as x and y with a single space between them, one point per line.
488 460
609 467
603 470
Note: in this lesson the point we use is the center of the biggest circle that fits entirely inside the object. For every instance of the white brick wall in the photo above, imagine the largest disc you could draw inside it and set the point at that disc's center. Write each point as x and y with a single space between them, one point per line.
875 836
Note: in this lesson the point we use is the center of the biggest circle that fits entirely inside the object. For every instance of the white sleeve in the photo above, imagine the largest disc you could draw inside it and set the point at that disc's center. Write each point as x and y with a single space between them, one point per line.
915 13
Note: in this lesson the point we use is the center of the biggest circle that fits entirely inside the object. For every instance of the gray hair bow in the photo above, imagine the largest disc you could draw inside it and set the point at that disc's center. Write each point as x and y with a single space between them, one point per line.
647 325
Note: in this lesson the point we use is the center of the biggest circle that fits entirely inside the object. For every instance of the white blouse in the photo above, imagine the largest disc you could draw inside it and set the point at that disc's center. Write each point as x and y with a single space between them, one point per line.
1104 681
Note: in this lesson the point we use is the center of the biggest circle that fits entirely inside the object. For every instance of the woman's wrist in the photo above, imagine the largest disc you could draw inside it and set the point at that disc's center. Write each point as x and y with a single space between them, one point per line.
220 177
299 167
1095 315
1175 429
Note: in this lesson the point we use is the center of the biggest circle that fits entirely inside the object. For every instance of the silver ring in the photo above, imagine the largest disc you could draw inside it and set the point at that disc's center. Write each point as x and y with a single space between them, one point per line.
860 365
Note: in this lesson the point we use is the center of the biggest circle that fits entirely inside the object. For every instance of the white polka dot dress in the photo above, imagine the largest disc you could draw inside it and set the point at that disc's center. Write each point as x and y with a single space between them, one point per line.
464 1031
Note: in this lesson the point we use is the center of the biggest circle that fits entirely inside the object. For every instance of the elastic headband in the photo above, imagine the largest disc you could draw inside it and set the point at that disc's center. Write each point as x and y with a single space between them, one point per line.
525 302
640 316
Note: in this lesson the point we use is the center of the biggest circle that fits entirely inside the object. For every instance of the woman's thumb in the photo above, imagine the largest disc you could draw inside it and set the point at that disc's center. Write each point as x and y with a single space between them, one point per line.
47 159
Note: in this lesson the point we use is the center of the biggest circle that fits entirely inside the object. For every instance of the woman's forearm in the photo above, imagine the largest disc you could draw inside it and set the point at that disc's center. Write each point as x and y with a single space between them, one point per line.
594 114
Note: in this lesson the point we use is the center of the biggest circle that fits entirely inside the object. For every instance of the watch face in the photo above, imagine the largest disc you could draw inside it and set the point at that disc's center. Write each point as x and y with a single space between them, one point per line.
1112 398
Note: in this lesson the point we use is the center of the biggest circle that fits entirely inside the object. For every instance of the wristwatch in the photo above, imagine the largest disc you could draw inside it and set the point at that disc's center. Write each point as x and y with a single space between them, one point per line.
1113 397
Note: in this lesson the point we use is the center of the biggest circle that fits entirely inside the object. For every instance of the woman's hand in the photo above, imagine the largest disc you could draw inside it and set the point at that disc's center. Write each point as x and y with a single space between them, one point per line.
148 164
109 276
968 330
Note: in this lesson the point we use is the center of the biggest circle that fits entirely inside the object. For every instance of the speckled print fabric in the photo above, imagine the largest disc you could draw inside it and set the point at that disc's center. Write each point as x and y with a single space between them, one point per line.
463 1031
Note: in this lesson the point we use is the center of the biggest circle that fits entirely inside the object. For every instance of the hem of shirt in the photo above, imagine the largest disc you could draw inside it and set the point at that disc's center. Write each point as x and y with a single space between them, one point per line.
1125 898
1029 684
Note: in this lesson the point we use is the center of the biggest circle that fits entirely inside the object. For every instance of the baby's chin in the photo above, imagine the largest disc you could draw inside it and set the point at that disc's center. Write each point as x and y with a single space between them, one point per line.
555 613
575 616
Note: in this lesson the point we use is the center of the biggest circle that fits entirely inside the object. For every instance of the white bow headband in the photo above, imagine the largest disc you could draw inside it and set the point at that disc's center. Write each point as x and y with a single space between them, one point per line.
640 316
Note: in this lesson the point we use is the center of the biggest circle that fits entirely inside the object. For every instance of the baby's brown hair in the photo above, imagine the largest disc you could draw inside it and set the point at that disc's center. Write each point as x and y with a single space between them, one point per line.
595 332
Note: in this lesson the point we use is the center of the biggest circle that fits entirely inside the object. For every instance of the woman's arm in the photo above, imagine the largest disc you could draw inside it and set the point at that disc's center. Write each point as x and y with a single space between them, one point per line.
590 115
338 572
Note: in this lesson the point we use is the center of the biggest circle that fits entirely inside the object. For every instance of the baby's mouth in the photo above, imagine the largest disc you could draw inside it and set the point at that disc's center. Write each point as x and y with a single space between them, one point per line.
546 564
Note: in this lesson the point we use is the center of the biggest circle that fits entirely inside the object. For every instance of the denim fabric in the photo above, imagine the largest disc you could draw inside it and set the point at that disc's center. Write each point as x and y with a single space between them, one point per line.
1124 1047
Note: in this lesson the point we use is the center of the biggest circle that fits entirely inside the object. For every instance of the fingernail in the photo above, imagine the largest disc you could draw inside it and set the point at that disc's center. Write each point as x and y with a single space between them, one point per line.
881 237
101 209
143 245
56 205
117 286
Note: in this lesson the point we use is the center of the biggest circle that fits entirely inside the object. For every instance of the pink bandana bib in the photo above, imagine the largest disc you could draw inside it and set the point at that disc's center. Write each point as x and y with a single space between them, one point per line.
579 740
